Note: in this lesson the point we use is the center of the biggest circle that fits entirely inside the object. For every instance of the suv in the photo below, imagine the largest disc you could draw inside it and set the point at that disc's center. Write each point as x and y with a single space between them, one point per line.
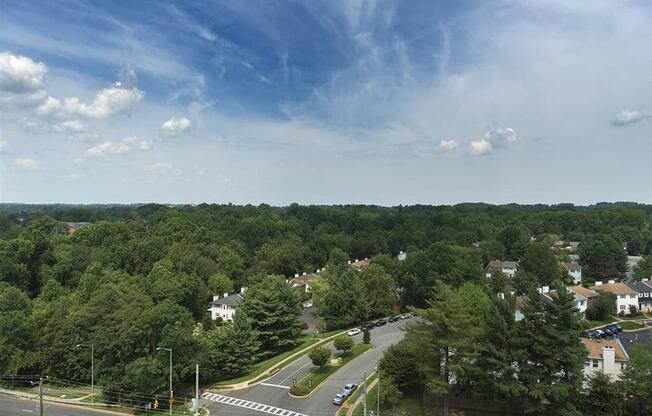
349 389
381 322
339 399
394 318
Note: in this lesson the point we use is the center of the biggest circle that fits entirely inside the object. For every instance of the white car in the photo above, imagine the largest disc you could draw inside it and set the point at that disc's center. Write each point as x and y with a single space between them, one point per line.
354 331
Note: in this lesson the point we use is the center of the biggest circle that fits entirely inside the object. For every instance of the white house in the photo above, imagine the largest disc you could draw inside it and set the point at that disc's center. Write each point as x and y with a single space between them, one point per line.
507 267
575 272
625 295
226 306
606 356
580 301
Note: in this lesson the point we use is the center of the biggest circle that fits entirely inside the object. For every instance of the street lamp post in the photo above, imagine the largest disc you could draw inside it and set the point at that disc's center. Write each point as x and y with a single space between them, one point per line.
92 370
171 394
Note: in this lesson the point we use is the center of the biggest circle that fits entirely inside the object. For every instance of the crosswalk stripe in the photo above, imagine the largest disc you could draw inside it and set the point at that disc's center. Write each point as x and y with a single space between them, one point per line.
260 407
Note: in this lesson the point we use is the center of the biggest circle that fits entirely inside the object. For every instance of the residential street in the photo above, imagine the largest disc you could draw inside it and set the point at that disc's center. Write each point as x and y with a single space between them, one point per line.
272 395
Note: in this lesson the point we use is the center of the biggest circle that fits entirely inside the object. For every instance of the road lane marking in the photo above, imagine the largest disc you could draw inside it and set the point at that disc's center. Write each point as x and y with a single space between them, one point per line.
275 385
285 379
28 410
250 405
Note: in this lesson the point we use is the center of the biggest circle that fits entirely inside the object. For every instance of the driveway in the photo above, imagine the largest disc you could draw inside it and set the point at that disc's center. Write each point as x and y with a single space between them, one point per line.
271 396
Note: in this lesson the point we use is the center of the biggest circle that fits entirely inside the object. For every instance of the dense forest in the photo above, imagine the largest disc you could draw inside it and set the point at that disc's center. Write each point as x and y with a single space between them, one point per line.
141 277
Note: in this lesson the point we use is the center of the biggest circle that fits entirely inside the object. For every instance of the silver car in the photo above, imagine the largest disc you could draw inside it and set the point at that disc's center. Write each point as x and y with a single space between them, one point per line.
339 399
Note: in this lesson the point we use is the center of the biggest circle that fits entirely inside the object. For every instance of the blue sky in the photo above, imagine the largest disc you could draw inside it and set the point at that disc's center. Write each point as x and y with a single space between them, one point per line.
385 102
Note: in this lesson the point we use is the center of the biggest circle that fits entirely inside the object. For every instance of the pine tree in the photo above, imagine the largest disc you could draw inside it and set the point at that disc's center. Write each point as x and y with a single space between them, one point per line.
603 397
273 307
239 345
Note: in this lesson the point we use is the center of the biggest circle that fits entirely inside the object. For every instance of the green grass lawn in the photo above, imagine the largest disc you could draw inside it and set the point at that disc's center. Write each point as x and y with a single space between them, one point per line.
634 318
630 325
409 405
593 324
319 375
262 366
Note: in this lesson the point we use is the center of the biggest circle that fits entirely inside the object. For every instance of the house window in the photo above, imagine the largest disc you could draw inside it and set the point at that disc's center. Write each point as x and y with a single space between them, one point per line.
623 296
632 296
622 366
622 307
595 363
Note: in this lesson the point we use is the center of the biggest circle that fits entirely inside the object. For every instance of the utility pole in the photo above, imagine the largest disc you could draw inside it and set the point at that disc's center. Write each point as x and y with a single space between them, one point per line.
40 396
365 393
197 390
92 369
171 392
378 389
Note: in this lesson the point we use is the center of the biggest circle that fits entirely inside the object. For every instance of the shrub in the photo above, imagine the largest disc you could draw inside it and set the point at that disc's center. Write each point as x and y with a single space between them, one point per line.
633 310
343 343
319 356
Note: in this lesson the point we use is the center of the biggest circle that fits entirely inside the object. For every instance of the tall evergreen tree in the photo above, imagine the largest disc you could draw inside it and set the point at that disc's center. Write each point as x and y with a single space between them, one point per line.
239 346
274 307
637 380
345 301
603 396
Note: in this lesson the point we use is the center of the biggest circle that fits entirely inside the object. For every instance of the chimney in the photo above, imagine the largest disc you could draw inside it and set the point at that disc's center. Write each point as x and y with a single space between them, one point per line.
608 360
243 290
226 295
645 279
304 273
598 283
366 258
612 281
545 289
296 275
501 295
215 297
317 271
511 293
349 261
356 260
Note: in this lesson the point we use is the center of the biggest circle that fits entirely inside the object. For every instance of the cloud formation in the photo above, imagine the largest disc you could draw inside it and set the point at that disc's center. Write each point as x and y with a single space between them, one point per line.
126 145
175 126
448 145
625 117
480 147
27 163
21 81
108 102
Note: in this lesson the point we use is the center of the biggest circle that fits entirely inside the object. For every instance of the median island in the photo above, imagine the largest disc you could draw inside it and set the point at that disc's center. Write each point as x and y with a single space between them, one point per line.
325 366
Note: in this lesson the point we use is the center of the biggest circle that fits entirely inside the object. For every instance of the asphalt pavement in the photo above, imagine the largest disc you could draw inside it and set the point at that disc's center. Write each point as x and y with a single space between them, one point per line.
271 396
16 406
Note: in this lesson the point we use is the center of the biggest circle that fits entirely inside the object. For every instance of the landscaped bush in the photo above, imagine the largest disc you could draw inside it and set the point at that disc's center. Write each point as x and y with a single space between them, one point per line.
319 356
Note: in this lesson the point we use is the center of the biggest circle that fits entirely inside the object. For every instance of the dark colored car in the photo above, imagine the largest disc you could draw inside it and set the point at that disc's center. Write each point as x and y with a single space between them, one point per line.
381 322
607 332
592 335
619 328
613 329
394 318
367 326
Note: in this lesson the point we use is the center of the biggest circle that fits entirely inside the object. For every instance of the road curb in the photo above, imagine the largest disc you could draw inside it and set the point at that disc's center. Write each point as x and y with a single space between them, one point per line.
271 371
326 379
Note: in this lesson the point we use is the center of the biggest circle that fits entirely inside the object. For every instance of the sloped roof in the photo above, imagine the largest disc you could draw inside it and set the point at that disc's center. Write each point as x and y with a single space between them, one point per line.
581 290
499 264
615 288
572 267
303 279
231 300
594 348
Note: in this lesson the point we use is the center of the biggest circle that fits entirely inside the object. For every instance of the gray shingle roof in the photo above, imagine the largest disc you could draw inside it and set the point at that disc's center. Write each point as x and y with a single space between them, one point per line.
231 300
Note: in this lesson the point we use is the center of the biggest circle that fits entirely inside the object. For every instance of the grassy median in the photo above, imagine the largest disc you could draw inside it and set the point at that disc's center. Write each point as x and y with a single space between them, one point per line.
313 379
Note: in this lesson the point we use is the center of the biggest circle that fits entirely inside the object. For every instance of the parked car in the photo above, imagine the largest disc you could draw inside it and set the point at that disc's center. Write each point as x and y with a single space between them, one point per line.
354 331
613 329
307 305
607 332
394 318
367 326
339 399
600 333
592 334
381 322
349 389
619 328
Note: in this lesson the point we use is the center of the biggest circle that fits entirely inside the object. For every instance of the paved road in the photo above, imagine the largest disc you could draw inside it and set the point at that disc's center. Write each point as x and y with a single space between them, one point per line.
15 406
272 396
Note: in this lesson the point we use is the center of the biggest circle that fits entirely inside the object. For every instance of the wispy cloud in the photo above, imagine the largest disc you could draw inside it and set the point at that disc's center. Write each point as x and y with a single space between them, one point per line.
126 145
625 117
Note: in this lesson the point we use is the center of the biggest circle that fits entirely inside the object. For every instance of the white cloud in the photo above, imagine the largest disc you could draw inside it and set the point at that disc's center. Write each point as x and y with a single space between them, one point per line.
69 127
448 145
27 164
3 144
126 145
625 117
480 147
108 102
175 126
159 167
501 137
21 81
